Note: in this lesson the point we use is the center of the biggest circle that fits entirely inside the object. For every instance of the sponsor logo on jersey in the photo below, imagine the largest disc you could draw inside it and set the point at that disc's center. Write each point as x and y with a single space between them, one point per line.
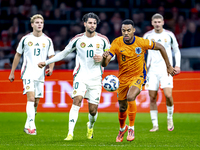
37 44
30 43
138 50
74 92
28 87
82 44
98 45
43 44
90 45
72 120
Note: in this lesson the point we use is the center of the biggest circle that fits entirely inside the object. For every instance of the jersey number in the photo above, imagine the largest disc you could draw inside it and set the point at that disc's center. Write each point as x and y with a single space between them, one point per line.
123 58
76 85
36 51
90 53
27 82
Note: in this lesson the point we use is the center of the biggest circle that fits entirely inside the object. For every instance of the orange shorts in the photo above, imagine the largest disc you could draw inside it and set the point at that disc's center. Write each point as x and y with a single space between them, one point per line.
137 81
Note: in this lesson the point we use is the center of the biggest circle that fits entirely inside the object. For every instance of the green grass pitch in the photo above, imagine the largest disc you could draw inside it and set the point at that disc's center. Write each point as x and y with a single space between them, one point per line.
52 129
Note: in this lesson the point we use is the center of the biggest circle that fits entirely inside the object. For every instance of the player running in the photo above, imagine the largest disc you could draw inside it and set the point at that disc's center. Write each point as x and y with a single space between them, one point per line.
130 51
89 47
157 73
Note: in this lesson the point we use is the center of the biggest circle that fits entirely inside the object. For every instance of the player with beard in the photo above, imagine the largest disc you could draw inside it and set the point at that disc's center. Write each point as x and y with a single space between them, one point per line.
89 47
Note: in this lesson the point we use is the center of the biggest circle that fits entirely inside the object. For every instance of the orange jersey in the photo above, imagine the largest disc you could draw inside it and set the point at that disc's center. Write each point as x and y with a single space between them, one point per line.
131 57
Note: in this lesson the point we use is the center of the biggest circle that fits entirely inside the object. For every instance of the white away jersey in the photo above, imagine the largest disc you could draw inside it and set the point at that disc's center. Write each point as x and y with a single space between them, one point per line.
34 50
86 48
154 58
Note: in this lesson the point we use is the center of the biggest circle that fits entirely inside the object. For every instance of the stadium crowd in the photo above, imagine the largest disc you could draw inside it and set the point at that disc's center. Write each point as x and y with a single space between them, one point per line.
63 21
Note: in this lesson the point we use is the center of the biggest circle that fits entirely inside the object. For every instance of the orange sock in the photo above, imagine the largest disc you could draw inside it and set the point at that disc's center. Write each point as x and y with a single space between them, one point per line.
132 109
122 118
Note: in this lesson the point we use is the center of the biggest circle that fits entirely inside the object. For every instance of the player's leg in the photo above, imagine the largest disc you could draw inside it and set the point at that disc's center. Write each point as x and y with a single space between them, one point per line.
153 110
167 85
73 116
132 109
122 115
36 104
30 127
170 108
92 116
93 95
152 86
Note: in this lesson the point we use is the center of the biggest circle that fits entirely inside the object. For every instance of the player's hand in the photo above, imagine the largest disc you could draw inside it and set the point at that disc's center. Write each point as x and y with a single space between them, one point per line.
106 54
41 64
171 71
177 70
48 72
11 77
97 58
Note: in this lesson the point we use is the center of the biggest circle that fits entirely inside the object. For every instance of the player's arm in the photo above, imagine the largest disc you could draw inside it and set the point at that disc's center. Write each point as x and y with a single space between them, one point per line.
163 52
14 66
106 58
49 71
68 49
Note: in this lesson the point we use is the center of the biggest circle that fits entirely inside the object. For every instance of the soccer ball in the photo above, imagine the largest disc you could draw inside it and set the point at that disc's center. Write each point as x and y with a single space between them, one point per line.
110 83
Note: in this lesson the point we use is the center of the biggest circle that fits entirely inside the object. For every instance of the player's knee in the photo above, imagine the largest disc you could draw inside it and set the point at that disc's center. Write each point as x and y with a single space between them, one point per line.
168 96
130 98
93 112
153 99
31 99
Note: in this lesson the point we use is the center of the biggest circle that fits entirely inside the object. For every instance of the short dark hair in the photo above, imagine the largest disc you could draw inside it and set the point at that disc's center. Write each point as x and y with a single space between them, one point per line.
90 15
128 21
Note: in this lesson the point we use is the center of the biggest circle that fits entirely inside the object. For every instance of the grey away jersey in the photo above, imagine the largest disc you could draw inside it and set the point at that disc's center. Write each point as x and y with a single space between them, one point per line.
34 50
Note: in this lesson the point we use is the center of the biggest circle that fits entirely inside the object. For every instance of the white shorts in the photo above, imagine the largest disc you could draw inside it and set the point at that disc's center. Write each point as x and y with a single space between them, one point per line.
33 86
90 89
156 79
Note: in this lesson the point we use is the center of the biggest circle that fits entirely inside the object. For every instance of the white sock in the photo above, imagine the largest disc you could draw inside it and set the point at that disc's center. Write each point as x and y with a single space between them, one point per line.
30 110
92 120
131 127
73 116
170 110
154 117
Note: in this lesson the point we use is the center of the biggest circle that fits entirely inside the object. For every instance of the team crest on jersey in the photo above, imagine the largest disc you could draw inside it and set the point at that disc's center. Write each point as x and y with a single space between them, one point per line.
138 50
28 87
74 92
43 44
30 43
83 45
98 45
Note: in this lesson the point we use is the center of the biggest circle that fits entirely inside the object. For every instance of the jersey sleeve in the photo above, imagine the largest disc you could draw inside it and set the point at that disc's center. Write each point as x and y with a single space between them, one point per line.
113 48
20 47
149 44
68 49
51 49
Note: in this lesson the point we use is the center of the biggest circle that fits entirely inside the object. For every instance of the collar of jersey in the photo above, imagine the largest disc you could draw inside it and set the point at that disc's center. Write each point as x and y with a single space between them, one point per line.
129 43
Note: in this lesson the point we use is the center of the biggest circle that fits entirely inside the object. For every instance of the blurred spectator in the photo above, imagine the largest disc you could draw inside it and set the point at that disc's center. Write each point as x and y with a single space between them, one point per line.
47 9
107 31
184 3
65 10
5 43
26 8
77 16
64 37
194 16
180 29
116 20
191 37
58 16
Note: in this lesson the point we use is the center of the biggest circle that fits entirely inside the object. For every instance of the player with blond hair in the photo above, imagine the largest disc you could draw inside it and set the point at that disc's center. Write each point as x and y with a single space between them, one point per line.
157 73
130 51
35 47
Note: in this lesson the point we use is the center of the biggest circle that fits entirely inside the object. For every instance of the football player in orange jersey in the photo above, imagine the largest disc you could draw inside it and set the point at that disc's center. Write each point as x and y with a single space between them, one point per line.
130 51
